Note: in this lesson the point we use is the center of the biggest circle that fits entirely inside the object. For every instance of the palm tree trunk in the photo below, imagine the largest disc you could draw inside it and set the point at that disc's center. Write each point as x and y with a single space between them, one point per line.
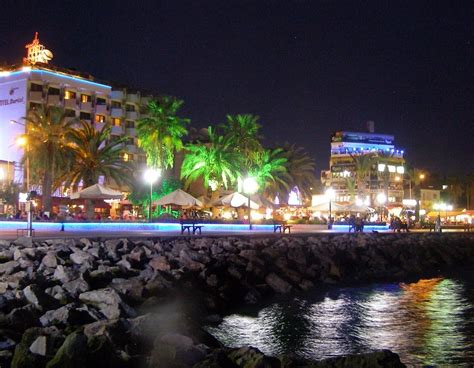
89 209
47 183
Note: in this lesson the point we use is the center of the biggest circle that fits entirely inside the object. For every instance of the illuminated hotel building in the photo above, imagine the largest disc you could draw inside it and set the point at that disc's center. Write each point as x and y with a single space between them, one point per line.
385 175
24 87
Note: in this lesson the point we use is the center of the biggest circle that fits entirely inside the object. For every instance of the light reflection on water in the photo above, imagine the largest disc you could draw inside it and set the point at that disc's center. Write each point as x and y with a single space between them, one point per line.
430 322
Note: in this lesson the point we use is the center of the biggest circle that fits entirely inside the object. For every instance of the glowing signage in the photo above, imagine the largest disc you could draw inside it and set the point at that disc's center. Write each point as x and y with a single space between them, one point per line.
37 53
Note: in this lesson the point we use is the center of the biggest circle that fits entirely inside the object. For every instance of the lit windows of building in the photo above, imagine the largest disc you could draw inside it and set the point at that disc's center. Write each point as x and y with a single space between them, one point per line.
69 95
386 173
100 119
85 98
116 122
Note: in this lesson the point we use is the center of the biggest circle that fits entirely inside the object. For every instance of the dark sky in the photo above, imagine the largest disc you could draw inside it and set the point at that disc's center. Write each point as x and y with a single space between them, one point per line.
307 68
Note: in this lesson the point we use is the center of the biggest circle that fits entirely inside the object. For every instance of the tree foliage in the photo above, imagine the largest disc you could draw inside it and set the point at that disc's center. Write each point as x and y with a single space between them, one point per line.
160 133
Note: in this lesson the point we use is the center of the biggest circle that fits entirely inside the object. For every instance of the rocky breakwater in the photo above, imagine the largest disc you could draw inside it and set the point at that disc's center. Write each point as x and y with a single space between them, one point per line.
142 302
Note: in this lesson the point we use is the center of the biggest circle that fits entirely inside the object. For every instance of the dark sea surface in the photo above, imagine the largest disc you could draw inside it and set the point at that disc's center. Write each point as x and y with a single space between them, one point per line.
429 322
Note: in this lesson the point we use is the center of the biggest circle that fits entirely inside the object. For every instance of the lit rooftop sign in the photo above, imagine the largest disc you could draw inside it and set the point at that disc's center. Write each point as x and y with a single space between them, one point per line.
37 53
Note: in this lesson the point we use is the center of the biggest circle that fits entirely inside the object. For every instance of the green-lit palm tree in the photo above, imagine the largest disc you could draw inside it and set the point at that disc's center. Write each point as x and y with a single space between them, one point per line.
47 129
242 131
300 168
351 188
94 156
363 166
270 171
160 133
215 162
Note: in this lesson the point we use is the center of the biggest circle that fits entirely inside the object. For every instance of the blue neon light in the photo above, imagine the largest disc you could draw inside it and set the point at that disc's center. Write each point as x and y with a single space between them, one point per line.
69 77
58 75
125 226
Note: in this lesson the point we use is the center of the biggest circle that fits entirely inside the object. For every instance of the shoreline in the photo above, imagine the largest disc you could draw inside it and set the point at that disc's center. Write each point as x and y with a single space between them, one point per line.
94 292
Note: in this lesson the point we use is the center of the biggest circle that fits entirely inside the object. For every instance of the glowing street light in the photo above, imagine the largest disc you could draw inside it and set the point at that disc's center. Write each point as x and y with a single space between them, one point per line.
151 175
250 186
331 196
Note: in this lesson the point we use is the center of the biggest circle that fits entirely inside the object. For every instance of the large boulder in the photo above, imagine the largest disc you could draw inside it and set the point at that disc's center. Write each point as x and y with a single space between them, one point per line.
277 283
37 297
108 302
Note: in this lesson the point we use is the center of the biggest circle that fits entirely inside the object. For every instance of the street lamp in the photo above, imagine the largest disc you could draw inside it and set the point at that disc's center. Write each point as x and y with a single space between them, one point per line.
151 175
250 187
331 195
381 199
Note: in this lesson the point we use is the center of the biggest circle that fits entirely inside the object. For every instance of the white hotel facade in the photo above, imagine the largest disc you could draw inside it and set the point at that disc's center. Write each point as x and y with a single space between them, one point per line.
24 87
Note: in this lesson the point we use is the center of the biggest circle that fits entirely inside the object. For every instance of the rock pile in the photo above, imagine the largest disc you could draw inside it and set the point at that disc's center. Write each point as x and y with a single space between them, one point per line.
138 302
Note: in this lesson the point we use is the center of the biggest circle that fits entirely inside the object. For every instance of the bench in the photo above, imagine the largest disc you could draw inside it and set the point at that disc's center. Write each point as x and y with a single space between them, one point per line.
188 225
282 227
24 232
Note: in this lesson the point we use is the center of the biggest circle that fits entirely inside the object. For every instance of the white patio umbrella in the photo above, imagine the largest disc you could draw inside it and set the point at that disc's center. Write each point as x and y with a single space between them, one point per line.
235 199
354 207
97 191
324 207
179 198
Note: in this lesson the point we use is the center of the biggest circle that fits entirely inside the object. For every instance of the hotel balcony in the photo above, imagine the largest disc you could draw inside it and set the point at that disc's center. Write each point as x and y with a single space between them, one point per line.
132 115
130 132
53 99
101 109
116 112
86 106
116 130
70 103
144 100
36 96
133 97
117 95
98 126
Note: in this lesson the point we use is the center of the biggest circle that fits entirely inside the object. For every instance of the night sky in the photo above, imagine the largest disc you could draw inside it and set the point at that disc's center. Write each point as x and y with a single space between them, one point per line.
307 68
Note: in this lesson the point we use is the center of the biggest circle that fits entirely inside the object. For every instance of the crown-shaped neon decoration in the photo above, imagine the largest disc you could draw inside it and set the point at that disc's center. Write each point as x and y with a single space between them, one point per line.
37 53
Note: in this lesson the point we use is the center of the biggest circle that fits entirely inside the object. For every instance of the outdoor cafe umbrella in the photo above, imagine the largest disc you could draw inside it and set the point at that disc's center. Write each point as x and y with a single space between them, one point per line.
179 198
324 207
235 199
97 191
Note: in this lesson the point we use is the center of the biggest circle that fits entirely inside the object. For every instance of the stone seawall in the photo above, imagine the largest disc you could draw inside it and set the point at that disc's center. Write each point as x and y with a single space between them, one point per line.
141 302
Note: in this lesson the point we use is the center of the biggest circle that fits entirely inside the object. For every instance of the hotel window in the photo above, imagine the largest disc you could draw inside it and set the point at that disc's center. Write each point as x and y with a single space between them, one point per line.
130 141
85 98
53 91
34 105
142 159
36 87
69 95
116 105
127 157
129 107
101 101
100 119
84 116
116 122
70 113
129 124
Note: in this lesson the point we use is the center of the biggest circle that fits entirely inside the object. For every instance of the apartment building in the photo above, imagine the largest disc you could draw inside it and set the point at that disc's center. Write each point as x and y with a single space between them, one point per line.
24 87
386 174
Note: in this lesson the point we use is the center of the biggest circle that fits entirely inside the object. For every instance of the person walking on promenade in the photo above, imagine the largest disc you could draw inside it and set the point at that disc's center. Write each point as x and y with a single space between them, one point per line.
438 224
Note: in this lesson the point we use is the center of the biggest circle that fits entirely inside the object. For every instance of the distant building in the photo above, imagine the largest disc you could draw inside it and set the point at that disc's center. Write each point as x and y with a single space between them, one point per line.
24 87
429 197
385 175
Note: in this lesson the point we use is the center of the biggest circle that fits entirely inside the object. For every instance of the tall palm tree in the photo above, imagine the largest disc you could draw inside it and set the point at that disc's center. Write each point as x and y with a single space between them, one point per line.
383 157
301 169
242 131
94 156
363 166
216 162
47 129
160 133
270 171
